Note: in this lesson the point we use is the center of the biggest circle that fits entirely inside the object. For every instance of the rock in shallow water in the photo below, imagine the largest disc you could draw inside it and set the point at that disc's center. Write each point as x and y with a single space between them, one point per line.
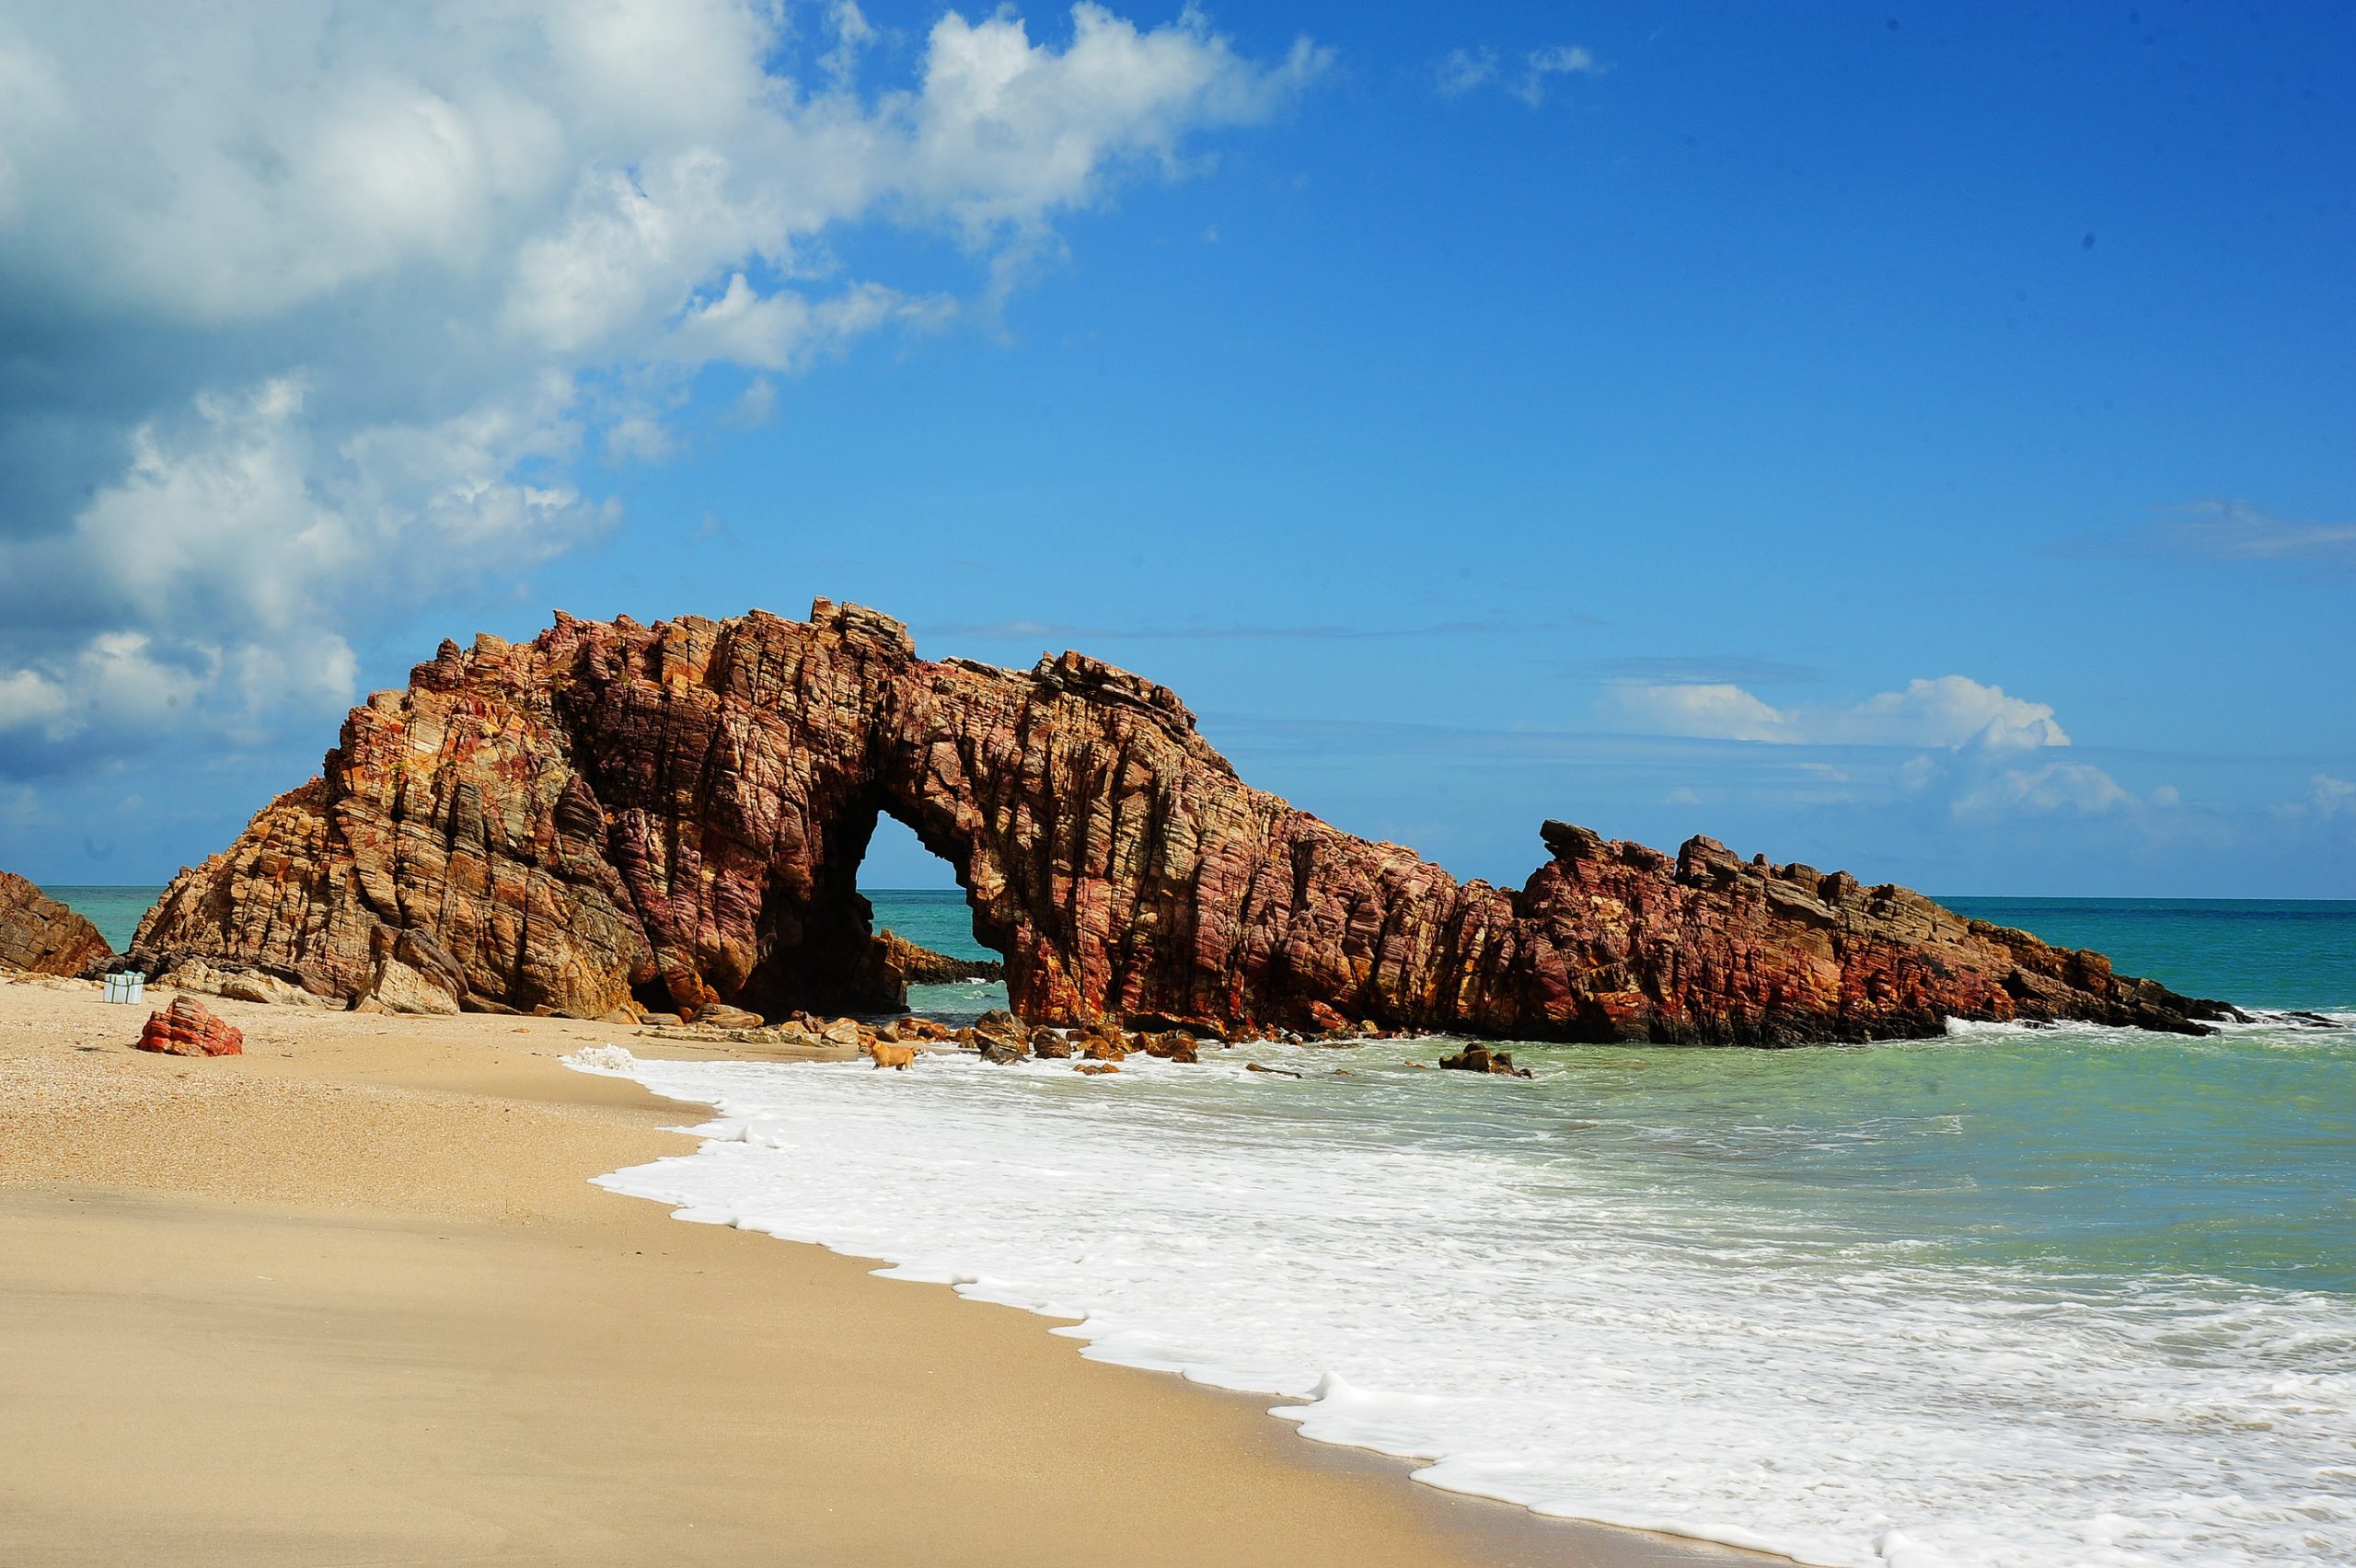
675 814
1481 1059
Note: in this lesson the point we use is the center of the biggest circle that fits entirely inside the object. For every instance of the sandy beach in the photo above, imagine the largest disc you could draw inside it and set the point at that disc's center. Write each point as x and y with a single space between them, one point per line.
350 1298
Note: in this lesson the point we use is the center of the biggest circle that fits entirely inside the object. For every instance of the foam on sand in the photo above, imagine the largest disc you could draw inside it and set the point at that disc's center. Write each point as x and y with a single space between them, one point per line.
1540 1302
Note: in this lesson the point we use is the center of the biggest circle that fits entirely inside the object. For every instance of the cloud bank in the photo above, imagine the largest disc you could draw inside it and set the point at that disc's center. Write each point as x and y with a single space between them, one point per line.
310 317
1951 710
1978 748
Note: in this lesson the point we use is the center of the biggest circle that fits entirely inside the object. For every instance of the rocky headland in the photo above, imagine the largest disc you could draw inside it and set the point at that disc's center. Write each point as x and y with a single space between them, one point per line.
40 936
619 820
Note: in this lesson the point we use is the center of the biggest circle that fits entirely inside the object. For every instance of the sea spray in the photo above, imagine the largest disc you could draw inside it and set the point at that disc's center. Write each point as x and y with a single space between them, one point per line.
2063 1297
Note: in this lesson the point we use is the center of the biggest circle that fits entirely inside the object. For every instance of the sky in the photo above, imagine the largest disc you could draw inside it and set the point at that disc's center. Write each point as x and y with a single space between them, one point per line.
1913 440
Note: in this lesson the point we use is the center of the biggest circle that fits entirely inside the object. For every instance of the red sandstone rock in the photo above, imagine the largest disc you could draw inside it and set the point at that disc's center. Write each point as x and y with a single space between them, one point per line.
42 935
187 1029
676 813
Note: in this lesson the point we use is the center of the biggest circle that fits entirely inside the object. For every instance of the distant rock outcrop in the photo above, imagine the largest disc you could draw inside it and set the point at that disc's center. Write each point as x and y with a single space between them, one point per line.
676 814
42 935
922 967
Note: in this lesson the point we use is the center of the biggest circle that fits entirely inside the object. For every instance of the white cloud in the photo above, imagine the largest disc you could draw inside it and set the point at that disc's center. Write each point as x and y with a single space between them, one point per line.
112 681
1951 710
1710 710
28 698
331 305
854 35
1461 71
2073 787
2329 797
1541 64
785 330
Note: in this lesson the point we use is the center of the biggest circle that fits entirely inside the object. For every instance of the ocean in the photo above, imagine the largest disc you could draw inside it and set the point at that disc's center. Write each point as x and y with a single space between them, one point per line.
2067 1296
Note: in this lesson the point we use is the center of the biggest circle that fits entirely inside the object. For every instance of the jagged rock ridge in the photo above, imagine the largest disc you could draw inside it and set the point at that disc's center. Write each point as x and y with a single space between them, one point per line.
676 813
42 935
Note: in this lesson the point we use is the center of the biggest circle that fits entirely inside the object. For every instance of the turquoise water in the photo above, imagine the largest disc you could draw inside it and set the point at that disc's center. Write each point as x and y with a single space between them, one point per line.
928 917
115 911
2251 951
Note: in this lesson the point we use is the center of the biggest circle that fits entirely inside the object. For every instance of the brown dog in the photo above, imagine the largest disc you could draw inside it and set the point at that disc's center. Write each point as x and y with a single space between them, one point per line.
897 1056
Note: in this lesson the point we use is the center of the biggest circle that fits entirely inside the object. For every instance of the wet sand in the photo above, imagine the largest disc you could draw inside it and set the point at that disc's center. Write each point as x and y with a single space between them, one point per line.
350 1298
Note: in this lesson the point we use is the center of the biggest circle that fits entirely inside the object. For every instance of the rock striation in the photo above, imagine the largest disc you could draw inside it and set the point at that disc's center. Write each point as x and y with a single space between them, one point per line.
187 1028
40 936
673 817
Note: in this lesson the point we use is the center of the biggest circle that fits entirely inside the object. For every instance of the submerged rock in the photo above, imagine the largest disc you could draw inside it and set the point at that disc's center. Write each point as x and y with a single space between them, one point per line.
42 935
675 814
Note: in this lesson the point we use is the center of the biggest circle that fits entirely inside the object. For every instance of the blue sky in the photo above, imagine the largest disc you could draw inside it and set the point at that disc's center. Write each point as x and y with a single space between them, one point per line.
1909 440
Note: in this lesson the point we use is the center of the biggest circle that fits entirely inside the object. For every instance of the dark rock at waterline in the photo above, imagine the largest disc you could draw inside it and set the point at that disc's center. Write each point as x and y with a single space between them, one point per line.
674 815
1481 1059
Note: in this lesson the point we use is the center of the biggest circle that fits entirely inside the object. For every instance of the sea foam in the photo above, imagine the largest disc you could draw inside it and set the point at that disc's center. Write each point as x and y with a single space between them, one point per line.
1500 1281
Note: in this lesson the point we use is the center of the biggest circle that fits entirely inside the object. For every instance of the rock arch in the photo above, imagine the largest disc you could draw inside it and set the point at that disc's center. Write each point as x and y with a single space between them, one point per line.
675 814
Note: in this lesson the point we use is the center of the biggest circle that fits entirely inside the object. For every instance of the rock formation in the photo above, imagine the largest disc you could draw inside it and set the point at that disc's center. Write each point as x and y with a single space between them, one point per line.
42 935
676 814
189 1029
922 967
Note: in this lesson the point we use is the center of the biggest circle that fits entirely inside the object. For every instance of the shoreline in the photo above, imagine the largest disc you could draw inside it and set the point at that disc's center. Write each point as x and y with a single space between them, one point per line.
353 1297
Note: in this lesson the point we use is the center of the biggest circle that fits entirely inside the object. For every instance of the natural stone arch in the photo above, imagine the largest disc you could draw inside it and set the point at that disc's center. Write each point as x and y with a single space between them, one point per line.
676 813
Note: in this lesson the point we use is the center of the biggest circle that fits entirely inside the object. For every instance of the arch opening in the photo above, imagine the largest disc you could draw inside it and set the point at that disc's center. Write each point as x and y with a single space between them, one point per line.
843 945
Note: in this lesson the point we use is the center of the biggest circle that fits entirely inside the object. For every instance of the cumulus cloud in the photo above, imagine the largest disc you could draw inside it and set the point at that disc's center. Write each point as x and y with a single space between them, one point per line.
316 323
1461 71
1951 710
2073 787
2328 799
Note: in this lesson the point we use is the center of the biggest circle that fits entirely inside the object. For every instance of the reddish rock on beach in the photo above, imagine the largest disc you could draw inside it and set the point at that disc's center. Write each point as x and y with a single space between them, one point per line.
187 1029
674 815
42 935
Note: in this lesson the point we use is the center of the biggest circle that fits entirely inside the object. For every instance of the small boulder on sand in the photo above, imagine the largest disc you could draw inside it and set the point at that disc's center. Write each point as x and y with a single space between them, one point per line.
188 1029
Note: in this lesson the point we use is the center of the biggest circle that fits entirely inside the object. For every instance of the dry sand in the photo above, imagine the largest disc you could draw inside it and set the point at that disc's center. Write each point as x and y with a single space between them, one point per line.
350 1298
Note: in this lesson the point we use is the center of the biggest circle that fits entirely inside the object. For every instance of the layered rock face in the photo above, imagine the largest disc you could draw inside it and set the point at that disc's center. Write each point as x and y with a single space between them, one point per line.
675 814
41 935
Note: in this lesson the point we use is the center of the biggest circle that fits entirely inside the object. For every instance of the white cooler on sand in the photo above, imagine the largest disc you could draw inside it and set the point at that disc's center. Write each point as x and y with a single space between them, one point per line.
131 986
